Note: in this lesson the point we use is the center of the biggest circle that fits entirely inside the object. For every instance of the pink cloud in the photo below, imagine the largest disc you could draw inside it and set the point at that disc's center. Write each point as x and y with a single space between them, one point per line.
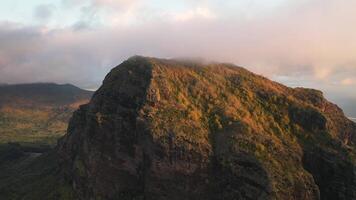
310 41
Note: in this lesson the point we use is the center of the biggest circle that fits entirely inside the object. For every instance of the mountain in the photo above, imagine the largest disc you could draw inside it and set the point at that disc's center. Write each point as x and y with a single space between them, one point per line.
37 112
42 94
168 129
172 129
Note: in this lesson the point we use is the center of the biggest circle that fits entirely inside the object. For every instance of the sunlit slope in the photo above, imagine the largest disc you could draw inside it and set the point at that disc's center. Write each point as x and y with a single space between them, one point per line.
168 129
37 113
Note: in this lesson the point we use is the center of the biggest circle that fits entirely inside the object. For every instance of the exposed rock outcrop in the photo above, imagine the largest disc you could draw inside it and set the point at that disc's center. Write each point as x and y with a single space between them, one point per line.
166 129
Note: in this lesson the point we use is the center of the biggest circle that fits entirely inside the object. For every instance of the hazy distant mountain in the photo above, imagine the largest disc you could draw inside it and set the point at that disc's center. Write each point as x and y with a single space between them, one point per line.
168 129
37 112
42 94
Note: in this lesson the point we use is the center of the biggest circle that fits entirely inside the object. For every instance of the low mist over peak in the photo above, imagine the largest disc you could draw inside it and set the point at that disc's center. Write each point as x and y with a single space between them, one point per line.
304 43
219 130
178 99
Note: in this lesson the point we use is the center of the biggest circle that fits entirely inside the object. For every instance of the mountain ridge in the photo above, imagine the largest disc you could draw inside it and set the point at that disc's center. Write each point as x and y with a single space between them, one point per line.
37 94
183 130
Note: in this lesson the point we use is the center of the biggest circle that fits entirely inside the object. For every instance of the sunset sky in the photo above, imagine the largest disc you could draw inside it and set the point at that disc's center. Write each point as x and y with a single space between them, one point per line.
310 43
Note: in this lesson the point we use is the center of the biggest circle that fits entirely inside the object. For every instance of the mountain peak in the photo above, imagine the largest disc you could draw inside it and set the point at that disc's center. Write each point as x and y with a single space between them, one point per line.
159 129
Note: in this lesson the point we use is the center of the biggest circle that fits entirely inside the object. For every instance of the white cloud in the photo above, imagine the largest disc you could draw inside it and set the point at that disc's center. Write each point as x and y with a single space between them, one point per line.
348 81
199 12
43 12
116 4
309 42
322 72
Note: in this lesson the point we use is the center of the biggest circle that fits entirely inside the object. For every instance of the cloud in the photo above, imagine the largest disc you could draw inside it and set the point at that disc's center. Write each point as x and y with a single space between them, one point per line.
31 54
115 4
43 12
73 3
349 81
309 43
199 12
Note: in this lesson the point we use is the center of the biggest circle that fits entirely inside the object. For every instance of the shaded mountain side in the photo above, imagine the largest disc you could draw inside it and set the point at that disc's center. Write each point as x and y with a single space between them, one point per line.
37 112
28 175
167 129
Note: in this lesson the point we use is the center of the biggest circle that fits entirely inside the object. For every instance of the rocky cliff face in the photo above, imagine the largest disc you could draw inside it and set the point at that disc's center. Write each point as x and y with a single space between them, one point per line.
165 129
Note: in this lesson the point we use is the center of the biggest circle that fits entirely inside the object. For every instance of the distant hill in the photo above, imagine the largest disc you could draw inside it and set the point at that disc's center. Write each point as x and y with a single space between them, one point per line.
42 94
37 112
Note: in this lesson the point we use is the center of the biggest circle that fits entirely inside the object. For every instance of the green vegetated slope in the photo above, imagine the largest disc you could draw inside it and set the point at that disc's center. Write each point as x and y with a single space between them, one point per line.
37 113
166 129
33 125
32 118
